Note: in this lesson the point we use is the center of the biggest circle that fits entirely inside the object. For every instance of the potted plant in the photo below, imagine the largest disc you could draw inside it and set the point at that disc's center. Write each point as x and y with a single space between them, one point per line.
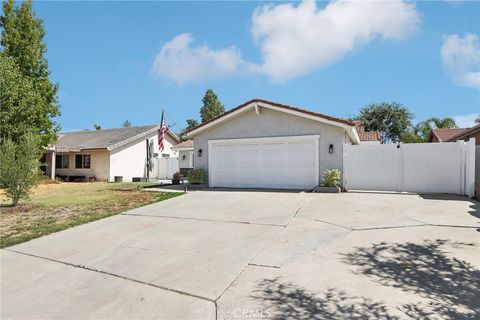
331 180
177 177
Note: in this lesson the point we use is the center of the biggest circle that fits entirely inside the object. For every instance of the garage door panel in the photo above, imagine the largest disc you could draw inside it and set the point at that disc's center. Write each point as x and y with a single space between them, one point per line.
261 163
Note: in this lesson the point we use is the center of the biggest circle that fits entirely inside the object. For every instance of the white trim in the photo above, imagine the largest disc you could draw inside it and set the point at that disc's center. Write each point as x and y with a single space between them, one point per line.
182 149
351 131
285 139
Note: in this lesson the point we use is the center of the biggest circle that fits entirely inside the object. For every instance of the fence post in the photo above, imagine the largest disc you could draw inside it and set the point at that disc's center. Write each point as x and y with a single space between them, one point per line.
470 167
345 164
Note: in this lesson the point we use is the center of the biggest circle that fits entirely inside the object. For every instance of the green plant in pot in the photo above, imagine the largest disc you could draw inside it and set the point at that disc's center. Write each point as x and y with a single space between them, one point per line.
330 182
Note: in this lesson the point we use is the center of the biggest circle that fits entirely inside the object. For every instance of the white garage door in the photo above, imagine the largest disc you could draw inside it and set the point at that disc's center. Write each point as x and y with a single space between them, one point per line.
278 163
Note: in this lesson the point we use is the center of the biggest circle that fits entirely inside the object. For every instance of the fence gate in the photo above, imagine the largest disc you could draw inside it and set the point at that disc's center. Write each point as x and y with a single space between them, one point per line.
167 167
416 167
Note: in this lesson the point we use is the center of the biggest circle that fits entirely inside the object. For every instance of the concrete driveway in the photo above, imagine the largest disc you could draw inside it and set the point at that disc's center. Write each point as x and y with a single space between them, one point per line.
256 255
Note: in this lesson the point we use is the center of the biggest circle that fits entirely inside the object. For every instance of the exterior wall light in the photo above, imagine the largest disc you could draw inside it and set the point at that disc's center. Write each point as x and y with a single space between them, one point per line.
183 157
330 149
199 153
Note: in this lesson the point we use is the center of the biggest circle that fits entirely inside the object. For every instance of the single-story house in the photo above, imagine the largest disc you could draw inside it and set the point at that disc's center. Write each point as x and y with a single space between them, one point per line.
451 134
263 144
185 155
105 154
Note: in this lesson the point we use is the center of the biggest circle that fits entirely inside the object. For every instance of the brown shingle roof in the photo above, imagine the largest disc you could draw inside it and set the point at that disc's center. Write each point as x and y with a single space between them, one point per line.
465 133
184 144
276 105
447 134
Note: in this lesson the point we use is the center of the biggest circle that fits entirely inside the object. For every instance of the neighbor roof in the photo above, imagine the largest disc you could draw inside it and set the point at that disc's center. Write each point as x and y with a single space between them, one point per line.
366 135
188 144
465 133
286 108
103 139
446 134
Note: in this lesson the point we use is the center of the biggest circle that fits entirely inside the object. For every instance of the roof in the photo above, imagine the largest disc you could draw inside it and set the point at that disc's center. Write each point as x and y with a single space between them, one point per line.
274 105
443 135
465 133
104 139
188 144
366 135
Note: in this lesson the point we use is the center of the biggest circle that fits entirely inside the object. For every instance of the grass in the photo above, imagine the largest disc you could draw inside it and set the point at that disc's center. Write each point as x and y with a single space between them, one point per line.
56 207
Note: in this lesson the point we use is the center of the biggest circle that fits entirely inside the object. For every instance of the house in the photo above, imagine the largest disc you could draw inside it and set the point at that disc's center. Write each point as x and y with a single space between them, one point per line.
105 154
367 137
185 156
444 135
263 144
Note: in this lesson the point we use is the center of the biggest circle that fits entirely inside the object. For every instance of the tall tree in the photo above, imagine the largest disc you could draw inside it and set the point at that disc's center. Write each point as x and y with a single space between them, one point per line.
425 128
97 127
126 124
22 39
477 121
391 119
191 123
212 107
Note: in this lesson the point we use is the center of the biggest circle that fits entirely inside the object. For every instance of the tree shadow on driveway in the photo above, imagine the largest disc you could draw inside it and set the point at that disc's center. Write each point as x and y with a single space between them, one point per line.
452 285
288 301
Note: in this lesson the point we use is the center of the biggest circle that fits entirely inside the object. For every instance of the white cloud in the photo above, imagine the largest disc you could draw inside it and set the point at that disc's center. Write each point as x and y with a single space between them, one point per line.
295 40
461 58
182 63
466 121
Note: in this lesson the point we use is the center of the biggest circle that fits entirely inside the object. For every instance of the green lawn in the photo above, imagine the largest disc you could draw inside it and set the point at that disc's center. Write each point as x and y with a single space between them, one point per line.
55 207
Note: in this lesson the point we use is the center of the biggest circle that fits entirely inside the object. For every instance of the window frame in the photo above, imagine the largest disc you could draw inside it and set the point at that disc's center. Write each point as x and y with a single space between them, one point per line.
83 161
61 164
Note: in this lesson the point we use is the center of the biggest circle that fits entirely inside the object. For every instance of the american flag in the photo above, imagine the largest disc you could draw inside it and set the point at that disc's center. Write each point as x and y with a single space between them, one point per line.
161 133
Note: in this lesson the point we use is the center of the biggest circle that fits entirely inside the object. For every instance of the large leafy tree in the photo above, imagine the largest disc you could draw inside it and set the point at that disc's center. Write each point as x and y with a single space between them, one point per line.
22 40
191 123
391 119
212 107
477 121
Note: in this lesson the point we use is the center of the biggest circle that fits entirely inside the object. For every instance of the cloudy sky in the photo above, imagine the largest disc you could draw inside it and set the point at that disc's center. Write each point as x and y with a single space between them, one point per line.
128 60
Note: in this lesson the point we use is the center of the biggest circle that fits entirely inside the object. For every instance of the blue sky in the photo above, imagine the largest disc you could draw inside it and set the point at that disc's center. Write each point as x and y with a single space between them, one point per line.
128 60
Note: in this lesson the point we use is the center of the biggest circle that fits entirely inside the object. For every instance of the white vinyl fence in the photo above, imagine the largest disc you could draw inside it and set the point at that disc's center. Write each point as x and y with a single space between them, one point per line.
167 167
417 167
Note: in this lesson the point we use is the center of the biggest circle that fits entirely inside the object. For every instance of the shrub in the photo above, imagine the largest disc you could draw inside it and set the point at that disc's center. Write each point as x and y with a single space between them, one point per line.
331 178
197 176
19 166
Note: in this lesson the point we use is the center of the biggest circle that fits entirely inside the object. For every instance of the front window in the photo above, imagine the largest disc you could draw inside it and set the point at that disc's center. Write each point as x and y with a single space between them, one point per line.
82 161
61 161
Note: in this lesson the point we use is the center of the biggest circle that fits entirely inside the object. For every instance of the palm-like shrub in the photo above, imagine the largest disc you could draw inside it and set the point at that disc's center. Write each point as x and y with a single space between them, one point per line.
331 178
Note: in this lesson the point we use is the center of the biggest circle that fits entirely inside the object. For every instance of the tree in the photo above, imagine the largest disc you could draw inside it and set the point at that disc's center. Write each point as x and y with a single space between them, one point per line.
212 107
477 121
391 119
22 40
97 127
126 124
191 123
20 167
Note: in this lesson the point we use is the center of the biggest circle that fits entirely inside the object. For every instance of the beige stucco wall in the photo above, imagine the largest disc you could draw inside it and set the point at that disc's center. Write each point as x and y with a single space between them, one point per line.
129 160
99 165
273 124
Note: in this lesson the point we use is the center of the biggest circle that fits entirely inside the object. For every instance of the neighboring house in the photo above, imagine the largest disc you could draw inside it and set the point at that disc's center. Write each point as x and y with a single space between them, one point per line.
263 144
444 135
185 155
367 137
105 154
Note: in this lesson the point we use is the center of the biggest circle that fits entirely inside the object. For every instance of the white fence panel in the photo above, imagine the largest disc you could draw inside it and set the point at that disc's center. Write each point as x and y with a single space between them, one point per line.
368 167
167 167
421 167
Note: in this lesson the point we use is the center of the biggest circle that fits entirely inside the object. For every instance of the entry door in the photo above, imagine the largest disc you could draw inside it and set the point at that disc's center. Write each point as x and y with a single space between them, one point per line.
274 163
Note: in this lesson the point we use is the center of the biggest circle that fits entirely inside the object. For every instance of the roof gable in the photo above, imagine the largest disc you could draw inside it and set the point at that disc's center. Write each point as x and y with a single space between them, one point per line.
465 133
255 103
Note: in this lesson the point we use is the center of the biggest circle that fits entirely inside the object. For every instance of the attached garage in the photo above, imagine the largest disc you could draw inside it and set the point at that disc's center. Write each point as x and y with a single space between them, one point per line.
262 144
278 162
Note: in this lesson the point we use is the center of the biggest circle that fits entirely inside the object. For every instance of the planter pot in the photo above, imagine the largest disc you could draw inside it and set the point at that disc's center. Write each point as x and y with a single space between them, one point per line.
327 189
